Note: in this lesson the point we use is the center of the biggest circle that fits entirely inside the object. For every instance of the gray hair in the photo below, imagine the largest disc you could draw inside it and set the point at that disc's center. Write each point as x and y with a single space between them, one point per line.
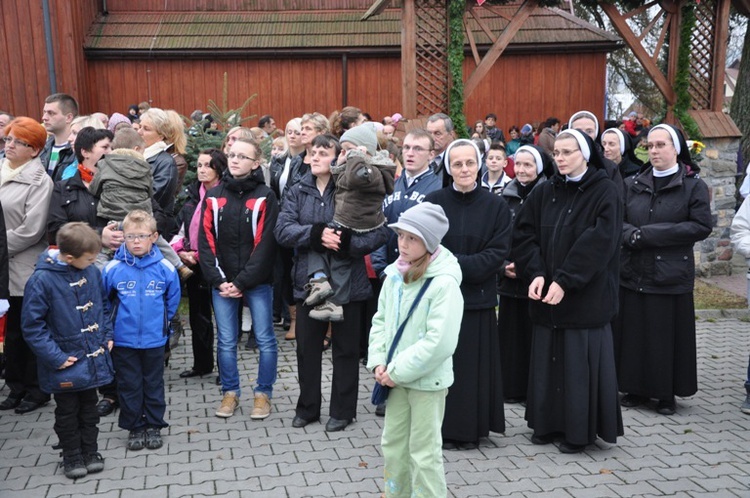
446 119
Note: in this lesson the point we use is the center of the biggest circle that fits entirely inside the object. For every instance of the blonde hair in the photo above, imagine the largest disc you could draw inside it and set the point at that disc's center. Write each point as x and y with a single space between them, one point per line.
176 132
418 268
140 218
319 122
83 121
160 120
128 152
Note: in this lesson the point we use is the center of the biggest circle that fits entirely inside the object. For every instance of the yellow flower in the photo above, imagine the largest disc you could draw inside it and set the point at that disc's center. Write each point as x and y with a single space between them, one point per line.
697 146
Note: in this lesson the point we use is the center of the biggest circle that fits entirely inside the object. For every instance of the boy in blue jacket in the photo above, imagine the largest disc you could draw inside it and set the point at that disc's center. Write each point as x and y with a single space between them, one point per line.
143 290
65 325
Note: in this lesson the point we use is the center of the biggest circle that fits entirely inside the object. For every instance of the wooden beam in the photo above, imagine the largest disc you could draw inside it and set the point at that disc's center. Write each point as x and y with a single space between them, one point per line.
634 12
472 43
721 27
523 13
622 28
409 60
674 54
483 25
651 25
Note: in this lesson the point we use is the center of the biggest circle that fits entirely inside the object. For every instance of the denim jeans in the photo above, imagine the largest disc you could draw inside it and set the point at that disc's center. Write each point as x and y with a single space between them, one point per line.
260 301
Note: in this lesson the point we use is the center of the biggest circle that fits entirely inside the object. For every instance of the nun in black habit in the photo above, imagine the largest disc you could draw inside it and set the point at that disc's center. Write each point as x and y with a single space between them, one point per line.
667 210
479 237
565 243
532 165
619 148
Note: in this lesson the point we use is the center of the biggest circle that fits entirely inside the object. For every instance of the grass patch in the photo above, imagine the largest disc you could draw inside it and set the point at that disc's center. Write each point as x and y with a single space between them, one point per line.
710 297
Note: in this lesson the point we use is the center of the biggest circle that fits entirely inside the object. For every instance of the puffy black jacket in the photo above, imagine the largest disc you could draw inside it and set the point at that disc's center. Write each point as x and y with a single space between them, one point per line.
303 214
297 170
660 229
568 232
71 201
479 236
236 242
164 169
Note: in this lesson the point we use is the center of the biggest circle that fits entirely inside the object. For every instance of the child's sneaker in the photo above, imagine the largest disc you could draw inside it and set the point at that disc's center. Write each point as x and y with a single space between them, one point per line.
327 312
319 289
94 462
137 440
261 406
228 405
73 466
153 438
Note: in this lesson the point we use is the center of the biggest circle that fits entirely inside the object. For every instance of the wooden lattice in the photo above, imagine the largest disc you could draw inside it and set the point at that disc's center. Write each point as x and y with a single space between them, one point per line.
702 64
431 56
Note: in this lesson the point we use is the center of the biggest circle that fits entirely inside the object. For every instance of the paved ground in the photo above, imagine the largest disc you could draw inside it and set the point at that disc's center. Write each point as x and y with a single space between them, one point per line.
701 451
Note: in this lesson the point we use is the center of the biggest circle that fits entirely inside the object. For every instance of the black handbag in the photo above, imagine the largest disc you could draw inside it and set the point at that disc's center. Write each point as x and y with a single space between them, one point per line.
380 392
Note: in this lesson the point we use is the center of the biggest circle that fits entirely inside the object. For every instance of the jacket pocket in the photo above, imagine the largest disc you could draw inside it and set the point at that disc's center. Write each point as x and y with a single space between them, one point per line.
74 378
673 269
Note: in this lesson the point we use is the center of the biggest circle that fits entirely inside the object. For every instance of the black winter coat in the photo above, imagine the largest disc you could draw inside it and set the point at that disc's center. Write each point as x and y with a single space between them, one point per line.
668 221
297 171
71 201
479 236
236 242
4 261
568 232
185 216
66 157
164 169
303 215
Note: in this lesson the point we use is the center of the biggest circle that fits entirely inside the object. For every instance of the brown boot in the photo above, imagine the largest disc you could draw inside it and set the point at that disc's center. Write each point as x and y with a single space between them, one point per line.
291 333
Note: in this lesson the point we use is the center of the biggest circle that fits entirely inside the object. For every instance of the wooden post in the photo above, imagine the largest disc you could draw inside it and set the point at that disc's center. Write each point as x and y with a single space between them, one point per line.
489 59
661 82
409 59
720 54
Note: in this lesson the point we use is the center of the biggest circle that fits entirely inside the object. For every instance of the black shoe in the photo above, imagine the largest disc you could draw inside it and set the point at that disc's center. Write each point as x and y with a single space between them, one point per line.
106 406
300 422
633 400
192 373
28 405
251 343
218 380
449 444
664 407
380 410
136 440
73 466
153 438
566 447
94 462
336 424
11 402
515 401
468 445
546 439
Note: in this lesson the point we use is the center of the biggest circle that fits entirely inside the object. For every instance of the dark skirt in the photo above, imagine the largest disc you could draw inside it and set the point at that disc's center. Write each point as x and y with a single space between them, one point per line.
573 386
655 345
474 405
514 329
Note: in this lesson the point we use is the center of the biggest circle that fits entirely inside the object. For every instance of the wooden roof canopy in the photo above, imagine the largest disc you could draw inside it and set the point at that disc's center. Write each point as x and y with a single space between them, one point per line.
257 34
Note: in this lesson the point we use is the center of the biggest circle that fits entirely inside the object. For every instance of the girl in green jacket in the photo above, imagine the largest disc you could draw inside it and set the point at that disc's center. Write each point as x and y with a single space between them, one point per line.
421 369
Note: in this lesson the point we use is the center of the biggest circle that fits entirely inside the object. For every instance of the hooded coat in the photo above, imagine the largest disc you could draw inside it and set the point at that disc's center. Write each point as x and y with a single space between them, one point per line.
423 357
64 315
122 183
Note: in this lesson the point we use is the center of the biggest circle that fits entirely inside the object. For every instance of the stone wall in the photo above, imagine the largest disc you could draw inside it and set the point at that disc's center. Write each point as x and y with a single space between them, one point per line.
713 256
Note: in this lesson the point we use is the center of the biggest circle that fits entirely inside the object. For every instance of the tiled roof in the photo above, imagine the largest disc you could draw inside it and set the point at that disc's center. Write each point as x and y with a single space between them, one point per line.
246 32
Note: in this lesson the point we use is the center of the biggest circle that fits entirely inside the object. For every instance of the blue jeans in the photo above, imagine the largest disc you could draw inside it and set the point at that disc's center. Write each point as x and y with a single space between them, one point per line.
260 301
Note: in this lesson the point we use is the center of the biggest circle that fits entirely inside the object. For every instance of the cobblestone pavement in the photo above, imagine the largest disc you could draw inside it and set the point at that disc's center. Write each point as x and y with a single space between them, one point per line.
700 451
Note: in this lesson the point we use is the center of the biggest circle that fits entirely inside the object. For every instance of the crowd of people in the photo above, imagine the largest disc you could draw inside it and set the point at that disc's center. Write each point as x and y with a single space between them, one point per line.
562 262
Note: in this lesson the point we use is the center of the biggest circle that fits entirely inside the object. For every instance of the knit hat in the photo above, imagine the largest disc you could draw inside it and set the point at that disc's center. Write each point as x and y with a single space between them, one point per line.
362 135
116 119
425 220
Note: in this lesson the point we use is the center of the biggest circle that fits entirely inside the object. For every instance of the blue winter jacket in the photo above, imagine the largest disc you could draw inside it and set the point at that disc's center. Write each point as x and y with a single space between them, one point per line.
144 294
64 315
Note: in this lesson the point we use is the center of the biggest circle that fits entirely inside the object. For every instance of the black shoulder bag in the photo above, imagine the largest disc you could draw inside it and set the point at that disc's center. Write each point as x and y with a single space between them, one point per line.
380 392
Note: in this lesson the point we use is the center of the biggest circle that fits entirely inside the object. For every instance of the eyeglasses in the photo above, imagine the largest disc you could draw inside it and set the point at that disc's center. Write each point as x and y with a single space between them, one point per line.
11 140
241 157
459 165
136 236
656 145
564 153
416 149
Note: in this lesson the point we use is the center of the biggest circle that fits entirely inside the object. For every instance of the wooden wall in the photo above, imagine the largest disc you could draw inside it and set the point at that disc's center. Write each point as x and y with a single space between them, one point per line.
519 89
24 77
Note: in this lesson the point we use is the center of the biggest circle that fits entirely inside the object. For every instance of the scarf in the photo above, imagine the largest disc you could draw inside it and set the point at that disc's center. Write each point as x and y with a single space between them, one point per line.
7 173
403 266
154 149
195 223
86 174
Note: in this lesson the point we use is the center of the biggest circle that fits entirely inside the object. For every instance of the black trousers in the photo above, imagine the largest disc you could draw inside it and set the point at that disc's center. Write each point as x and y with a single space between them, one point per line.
20 363
345 355
140 387
76 421
199 300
